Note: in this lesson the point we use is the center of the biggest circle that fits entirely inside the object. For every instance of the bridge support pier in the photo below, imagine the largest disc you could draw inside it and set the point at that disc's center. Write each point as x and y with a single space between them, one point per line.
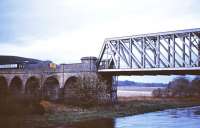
111 83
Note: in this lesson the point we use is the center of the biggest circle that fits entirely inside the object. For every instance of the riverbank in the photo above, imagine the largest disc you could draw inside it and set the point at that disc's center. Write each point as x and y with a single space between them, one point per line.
58 114
125 107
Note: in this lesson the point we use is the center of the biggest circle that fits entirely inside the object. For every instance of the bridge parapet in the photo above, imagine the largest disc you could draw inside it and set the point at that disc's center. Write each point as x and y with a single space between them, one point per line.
72 68
88 64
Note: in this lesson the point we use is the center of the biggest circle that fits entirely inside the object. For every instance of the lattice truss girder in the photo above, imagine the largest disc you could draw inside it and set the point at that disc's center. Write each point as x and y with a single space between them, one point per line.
159 50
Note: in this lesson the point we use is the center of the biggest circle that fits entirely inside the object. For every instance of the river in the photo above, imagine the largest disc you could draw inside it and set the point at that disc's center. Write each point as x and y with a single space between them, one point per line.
172 118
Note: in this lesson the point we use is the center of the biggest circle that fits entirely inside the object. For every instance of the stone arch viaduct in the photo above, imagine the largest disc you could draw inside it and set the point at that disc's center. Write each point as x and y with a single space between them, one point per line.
45 81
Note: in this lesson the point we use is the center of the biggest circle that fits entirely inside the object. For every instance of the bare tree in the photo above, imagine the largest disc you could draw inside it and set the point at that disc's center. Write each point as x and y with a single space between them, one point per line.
157 93
179 87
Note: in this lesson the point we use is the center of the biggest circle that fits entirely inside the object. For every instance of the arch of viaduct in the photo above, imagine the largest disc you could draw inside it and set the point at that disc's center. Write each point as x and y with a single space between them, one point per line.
25 79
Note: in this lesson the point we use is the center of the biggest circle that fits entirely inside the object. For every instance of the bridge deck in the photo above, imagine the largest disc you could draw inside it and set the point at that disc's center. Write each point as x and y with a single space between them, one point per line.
152 71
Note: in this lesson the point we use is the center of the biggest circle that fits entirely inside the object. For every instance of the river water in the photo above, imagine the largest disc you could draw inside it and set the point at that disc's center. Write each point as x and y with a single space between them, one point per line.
172 118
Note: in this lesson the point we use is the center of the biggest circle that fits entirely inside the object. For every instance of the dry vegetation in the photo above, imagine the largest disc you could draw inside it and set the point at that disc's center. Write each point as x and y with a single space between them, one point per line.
56 114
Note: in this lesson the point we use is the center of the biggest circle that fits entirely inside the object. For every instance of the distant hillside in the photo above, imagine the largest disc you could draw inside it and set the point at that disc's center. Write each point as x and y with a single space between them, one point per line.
132 83
16 59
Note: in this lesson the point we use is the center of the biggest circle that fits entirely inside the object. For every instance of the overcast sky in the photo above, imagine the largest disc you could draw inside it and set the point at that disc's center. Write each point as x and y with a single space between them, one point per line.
65 30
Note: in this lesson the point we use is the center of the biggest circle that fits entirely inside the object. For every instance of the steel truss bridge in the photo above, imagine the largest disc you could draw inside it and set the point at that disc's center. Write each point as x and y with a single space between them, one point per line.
163 53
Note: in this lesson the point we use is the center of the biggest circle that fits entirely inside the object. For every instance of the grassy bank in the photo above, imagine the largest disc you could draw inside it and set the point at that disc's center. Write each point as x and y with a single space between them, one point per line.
124 107
57 114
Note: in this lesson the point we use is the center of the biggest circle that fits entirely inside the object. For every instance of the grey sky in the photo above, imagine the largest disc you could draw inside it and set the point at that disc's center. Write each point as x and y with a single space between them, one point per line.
66 30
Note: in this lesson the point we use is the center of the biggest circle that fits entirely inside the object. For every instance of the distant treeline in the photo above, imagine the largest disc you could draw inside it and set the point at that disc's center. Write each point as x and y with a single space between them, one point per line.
137 84
180 87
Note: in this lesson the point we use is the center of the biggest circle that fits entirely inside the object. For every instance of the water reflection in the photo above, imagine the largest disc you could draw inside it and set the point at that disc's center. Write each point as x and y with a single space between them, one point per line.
174 118
197 112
